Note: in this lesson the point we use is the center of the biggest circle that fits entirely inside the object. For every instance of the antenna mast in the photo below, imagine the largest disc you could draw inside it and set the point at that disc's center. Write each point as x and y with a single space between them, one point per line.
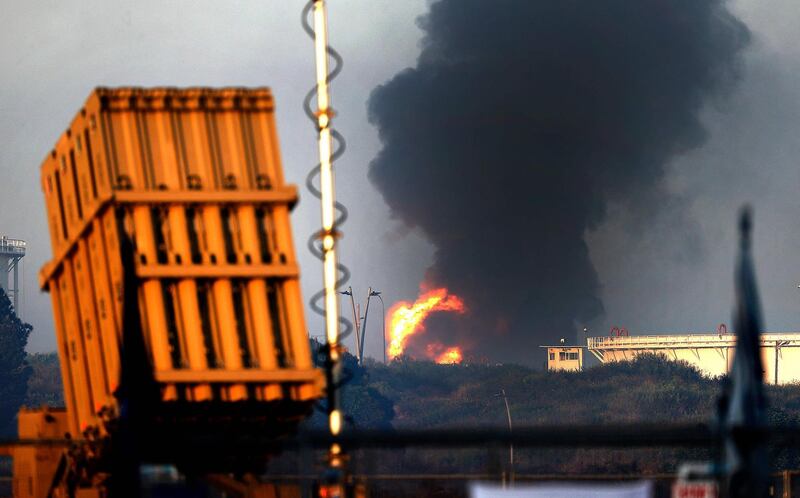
329 233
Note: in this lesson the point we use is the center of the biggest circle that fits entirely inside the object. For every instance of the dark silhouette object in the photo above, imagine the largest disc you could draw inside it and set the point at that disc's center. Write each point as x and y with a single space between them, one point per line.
742 405
138 391
14 369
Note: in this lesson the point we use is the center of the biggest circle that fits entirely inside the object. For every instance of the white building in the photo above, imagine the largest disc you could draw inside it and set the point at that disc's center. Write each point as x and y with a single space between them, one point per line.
568 358
712 354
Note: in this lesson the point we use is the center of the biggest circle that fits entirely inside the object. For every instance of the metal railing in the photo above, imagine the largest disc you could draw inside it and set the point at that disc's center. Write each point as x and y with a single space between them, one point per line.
687 340
12 246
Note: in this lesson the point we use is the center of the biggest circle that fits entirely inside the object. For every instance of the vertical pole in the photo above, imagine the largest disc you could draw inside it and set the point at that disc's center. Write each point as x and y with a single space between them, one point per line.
510 445
22 293
328 234
787 484
777 350
4 269
356 322
16 287
383 324
364 328
358 333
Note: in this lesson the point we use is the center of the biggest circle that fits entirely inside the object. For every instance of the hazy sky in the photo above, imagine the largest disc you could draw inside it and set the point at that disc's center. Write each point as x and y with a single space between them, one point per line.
656 278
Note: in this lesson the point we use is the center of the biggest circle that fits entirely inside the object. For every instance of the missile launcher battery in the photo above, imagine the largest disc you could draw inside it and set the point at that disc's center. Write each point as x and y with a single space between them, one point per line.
191 179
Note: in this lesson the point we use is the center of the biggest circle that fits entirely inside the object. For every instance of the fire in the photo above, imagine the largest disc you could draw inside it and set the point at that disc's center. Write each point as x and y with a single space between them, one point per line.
443 355
408 319
451 356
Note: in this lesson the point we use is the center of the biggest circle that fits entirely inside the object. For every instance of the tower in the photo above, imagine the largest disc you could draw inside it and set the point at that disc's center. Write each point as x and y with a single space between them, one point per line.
11 252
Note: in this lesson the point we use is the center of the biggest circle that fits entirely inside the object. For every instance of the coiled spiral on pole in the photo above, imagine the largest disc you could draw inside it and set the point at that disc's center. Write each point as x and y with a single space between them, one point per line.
314 241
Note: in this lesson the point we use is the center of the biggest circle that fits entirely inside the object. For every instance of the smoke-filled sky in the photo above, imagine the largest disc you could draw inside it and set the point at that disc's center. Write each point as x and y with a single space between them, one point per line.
520 123
645 211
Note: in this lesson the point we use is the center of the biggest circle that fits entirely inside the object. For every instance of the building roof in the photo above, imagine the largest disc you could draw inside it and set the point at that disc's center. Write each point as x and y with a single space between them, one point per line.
717 340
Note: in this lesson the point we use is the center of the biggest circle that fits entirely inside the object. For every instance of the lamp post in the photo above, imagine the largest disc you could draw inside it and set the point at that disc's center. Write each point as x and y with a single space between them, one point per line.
361 322
383 320
364 325
510 444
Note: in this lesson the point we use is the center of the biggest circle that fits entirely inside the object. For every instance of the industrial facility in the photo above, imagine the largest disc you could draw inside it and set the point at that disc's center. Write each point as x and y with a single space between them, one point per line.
711 353
186 364
11 253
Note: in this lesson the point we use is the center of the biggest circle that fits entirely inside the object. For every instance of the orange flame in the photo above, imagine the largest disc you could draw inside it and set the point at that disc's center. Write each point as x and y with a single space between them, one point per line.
443 355
451 356
408 319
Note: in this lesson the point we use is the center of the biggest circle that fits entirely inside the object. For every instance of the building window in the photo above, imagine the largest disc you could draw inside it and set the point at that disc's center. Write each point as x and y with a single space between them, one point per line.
572 356
562 356
552 356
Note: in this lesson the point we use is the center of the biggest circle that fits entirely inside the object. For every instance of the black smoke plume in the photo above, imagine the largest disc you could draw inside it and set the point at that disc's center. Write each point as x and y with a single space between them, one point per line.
519 124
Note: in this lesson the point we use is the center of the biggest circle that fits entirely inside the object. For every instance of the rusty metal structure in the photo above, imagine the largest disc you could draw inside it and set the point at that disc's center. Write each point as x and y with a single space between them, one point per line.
174 284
